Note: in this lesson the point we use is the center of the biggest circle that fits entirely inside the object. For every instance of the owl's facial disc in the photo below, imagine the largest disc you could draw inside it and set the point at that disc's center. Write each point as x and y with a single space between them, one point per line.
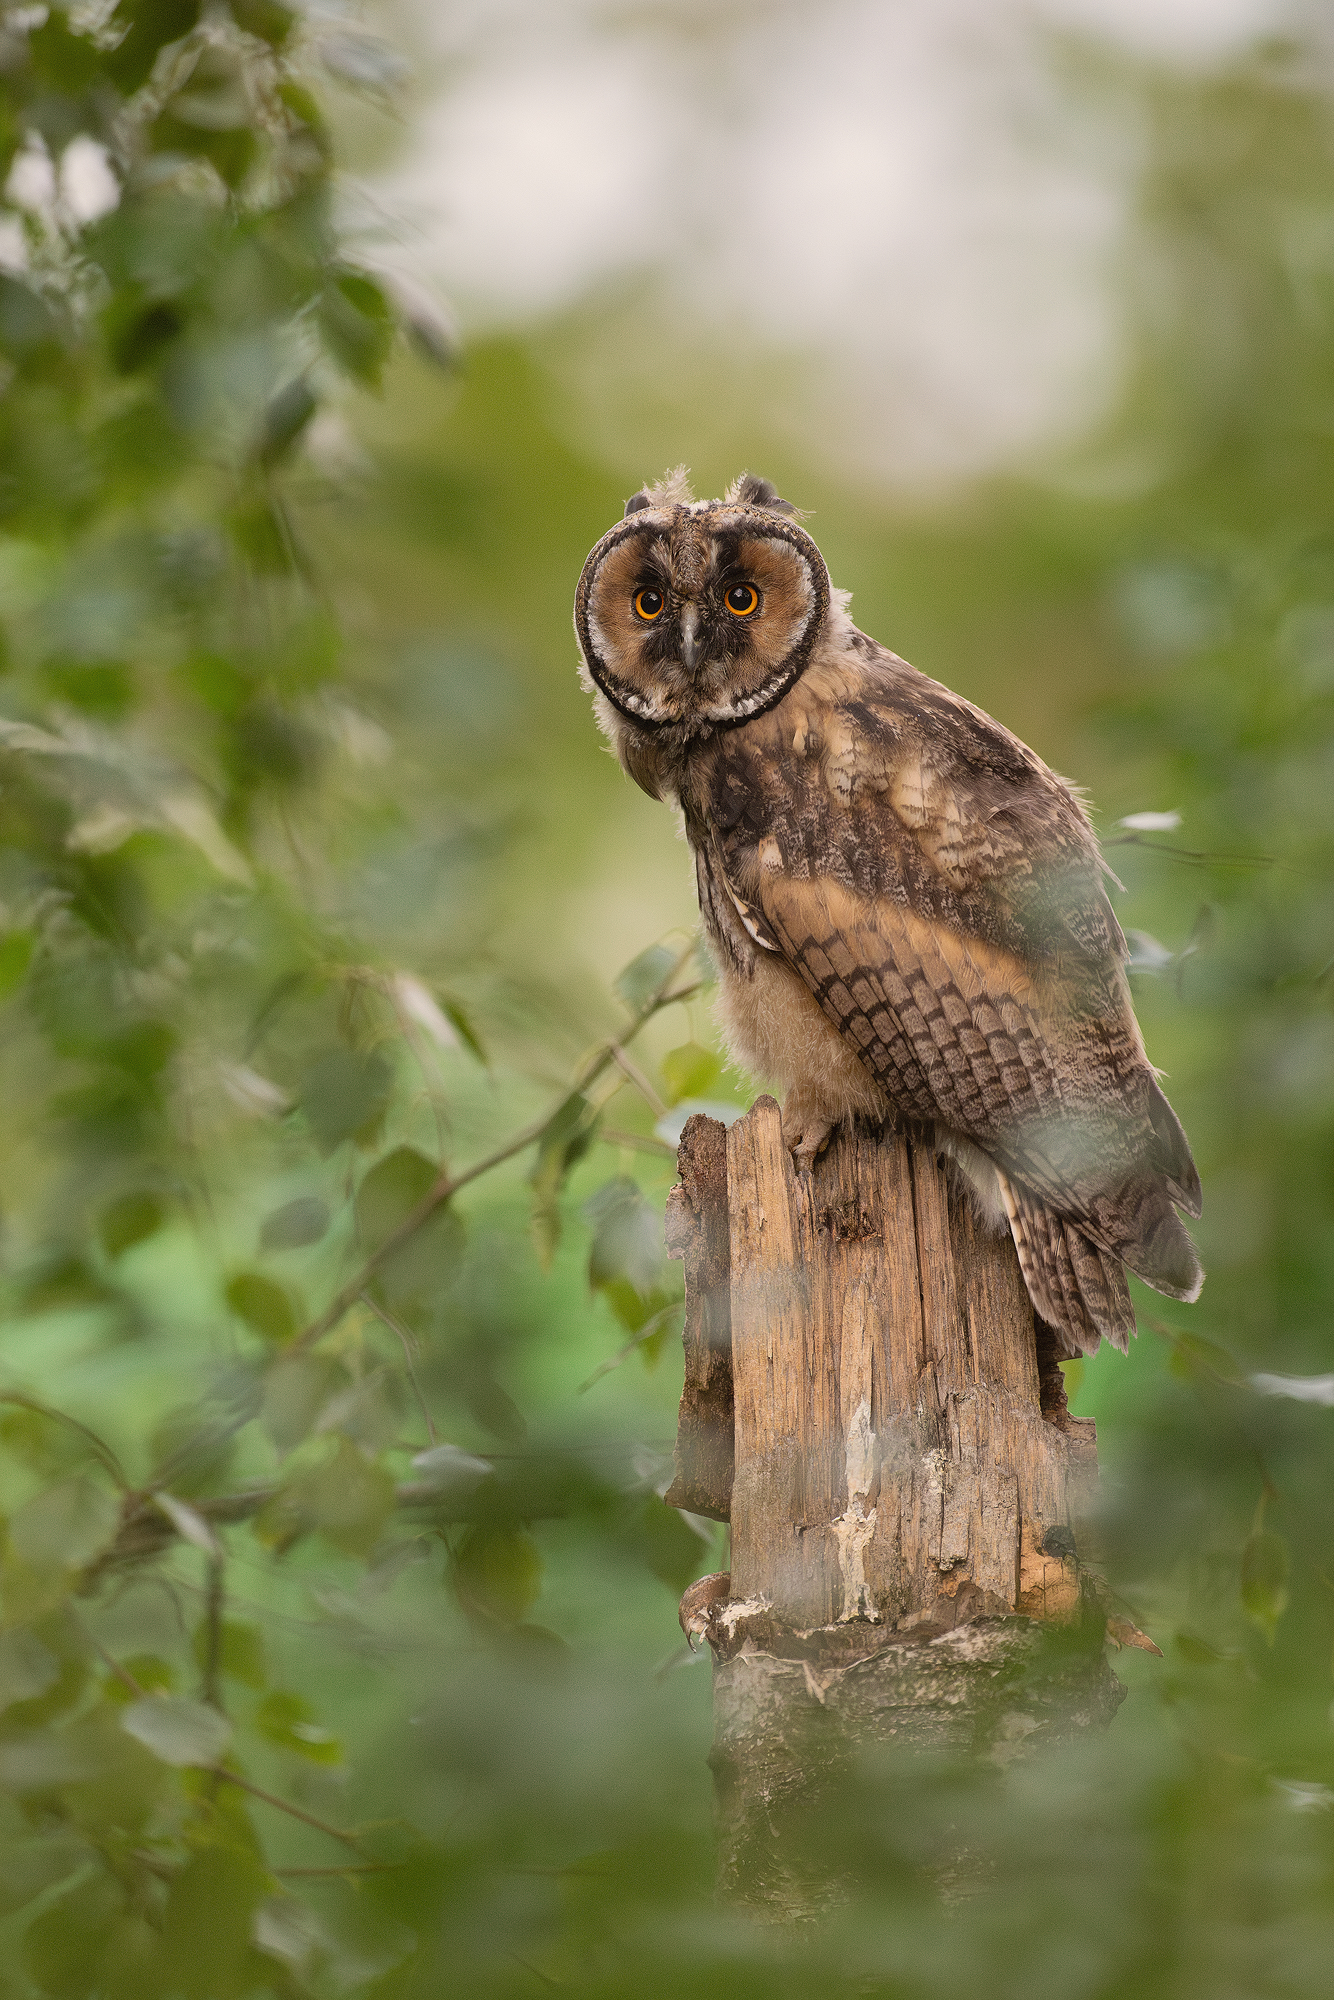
700 616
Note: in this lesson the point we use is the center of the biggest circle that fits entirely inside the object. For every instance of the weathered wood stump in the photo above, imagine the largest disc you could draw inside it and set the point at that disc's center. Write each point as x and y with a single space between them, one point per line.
870 1403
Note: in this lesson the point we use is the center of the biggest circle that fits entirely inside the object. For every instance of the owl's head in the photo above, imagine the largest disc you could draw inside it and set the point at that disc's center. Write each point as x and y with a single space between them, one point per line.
694 615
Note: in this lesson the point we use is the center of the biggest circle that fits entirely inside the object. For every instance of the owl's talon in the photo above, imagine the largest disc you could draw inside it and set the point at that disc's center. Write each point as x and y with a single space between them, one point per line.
700 1602
805 1136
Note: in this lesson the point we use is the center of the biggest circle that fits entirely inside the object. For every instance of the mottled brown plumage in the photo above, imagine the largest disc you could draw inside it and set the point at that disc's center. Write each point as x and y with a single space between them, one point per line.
906 905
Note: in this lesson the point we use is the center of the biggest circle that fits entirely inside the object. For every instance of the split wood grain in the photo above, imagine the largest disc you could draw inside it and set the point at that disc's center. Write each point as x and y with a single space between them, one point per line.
697 1233
892 1463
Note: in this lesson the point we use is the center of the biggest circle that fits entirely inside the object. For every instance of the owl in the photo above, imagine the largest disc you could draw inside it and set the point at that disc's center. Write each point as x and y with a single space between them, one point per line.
906 905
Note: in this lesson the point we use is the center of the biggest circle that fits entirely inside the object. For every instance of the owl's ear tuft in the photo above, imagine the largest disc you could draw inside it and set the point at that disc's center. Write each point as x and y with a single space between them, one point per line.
752 491
672 490
637 503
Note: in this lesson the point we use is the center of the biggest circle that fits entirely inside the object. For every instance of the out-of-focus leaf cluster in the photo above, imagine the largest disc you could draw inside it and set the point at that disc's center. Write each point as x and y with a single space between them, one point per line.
230 1162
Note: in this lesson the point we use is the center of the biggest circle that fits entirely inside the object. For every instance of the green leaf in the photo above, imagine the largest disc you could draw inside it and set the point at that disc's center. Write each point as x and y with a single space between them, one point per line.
145 27
627 1237
467 1033
229 148
1265 1566
689 1071
268 19
369 1411
64 1285
644 976
494 1410
263 537
635 1311
568 1136
290 1722
296 1389
65 1526
295 1224
177 1730
153 1674
193 1447
130 1220
422 1266
291 1932
497 1574
358 326
208 1926
304 108
242 1655
345 1095
264 1306
284 419
390 1191
347 1499
450 1471
27 1667
1194 1359
1197 1652
138 330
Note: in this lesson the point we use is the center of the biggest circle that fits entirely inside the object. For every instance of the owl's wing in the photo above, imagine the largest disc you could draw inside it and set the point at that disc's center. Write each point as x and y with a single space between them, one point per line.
939 891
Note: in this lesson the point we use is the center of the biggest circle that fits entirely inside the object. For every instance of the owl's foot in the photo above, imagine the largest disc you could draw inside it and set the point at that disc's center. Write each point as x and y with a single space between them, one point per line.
807 1130
701 1601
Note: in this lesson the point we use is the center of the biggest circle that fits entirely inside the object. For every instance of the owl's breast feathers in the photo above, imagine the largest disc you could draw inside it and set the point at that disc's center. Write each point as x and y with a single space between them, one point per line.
940 893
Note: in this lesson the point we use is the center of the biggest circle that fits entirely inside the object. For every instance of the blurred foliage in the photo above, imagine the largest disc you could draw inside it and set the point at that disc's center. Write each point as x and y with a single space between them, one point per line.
338 1651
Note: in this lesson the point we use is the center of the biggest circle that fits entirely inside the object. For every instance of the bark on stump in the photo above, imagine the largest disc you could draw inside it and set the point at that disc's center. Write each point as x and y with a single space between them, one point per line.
869 1401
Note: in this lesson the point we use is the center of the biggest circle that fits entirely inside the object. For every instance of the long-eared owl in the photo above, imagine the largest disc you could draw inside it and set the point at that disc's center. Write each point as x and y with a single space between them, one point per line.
906 905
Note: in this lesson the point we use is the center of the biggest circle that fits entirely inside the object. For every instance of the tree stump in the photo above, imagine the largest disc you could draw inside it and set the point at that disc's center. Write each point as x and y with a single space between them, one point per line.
869 1401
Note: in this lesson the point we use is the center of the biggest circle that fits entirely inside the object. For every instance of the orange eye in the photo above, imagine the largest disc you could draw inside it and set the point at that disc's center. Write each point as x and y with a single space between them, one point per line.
742 599
649 603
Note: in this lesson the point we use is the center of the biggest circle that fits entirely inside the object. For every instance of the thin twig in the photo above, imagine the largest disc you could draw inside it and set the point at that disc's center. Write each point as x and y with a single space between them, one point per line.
123 1674
102 1450
556 1985
406 1340
646 1332
211 1691
283 1805
1198 856
638 1142
627 1065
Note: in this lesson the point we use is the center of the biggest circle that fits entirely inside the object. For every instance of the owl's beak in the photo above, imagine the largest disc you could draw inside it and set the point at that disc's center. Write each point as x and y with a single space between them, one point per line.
689 636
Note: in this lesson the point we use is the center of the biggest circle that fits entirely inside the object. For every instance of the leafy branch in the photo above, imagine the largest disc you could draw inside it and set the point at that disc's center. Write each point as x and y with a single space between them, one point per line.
611 1052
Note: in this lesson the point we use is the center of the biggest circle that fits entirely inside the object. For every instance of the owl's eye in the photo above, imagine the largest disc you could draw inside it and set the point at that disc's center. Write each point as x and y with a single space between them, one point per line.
742 599
649 603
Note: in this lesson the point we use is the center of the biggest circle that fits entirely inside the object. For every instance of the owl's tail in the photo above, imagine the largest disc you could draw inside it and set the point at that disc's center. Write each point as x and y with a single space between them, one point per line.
1079 1287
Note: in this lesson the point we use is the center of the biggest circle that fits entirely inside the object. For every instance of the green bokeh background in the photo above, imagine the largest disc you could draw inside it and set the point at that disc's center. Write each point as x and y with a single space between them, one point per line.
385 720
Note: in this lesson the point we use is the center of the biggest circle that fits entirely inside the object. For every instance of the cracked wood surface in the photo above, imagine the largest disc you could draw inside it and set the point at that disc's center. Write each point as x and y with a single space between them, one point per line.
900 1458
904 1489
697 1233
